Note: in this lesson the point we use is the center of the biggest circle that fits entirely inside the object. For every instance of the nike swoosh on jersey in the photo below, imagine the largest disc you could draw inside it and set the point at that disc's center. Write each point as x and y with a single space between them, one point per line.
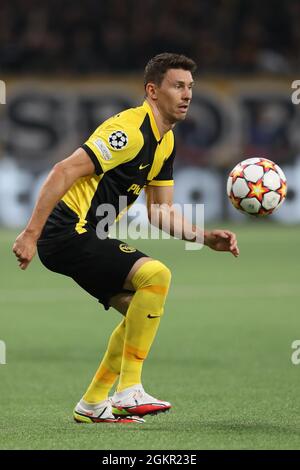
141 167
153 316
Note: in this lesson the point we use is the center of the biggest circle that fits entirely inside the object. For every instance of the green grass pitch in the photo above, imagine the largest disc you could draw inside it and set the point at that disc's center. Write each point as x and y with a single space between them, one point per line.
222 356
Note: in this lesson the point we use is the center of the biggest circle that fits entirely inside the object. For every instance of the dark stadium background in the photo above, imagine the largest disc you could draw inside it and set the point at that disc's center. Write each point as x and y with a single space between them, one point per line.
67 66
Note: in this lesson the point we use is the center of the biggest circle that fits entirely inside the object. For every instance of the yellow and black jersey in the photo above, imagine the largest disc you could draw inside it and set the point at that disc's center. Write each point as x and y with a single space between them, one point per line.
128 153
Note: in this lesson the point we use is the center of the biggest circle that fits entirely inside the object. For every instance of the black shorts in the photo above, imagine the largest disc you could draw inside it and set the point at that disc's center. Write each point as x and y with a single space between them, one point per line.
99 266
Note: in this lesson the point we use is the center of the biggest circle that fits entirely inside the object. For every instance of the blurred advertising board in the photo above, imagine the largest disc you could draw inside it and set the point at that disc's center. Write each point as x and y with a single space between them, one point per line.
43 121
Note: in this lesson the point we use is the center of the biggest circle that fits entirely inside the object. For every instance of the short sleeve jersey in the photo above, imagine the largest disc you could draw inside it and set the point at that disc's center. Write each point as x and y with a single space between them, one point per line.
128 154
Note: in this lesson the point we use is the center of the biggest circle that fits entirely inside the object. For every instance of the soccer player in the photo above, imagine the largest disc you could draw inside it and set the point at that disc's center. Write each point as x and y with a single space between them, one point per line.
127 153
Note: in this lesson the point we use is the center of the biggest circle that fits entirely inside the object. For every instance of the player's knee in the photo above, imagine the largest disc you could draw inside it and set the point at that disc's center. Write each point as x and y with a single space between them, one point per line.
154 276
163 275
152 282
159 285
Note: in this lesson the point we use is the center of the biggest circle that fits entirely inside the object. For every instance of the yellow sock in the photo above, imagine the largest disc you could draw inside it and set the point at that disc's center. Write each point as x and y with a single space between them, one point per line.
151 283
109 368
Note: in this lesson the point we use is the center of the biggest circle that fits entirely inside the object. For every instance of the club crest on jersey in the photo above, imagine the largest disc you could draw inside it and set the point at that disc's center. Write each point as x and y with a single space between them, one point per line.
118 140
126 248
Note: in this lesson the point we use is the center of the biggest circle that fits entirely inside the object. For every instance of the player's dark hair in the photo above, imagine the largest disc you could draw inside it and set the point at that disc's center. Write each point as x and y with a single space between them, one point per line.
157 67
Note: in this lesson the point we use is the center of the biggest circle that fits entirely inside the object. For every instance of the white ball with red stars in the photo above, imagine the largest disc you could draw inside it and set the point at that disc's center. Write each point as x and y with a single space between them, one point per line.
257 186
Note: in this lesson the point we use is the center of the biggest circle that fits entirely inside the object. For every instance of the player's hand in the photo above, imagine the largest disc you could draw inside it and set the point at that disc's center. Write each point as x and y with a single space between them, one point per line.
24 248
222 240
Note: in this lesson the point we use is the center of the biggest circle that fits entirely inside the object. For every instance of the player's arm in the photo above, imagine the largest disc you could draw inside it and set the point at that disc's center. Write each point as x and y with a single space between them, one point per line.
163 215
59 180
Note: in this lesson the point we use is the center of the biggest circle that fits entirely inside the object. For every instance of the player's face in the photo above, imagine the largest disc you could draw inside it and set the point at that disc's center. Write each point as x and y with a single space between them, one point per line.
174 94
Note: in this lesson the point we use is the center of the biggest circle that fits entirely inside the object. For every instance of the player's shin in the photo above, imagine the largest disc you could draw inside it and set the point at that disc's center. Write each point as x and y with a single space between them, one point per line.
109 368
151 283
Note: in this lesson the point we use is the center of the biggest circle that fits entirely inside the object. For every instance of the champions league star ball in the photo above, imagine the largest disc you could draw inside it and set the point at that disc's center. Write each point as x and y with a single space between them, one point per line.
256 186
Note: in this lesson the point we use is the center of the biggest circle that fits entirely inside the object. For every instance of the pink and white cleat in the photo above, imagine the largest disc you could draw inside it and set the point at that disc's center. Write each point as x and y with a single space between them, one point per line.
100 413
135 401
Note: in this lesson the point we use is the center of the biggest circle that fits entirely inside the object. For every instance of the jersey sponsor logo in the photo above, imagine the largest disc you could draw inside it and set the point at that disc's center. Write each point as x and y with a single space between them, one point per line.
141 167
126 248
105 152
135 188
118 140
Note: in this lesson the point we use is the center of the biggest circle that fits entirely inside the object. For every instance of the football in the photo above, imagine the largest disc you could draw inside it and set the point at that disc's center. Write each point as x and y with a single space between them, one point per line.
257 186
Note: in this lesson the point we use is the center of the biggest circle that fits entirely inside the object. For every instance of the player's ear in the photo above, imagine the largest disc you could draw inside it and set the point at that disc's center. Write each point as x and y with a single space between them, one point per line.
151 90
